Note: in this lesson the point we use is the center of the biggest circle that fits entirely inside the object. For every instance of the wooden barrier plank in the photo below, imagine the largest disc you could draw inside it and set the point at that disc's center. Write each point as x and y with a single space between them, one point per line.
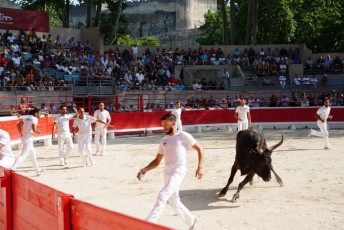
38 194
38 217
88 216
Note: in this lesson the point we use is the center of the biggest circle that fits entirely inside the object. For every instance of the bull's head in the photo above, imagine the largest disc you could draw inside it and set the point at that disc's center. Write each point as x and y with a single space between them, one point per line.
263 168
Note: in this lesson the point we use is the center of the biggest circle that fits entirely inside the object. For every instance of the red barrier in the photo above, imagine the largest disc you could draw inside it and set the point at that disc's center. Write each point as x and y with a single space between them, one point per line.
131 120
88 216
37 206
136 120
5 199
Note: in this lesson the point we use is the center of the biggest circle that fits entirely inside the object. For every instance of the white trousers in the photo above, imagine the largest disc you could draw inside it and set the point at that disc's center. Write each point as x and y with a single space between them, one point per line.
85 149
323 132
242 125
170 194
179 125
100 133
7 162
27 150
64 139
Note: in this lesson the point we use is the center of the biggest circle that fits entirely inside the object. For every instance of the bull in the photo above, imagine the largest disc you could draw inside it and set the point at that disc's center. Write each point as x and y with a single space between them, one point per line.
252 157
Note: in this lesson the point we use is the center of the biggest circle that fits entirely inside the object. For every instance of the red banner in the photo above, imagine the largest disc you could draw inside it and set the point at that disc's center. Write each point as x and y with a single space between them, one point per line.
14 19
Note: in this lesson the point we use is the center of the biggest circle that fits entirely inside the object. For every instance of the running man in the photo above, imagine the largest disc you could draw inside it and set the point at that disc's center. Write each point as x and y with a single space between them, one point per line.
322 114
174 147
177 112
243 115
26 128
101 129
6 155
83 123
64 136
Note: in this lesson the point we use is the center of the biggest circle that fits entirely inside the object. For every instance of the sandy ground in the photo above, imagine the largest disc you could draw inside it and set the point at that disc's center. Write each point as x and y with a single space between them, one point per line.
312 196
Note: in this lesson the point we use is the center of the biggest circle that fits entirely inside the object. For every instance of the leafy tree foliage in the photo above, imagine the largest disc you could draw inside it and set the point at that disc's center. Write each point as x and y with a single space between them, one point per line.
126 40
318 24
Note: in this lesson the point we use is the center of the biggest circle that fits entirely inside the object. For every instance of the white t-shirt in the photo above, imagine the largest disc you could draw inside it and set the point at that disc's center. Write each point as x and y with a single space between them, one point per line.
63 123
242 112
103 116
84 125
6 150
324 112
27 131
177 113
174 148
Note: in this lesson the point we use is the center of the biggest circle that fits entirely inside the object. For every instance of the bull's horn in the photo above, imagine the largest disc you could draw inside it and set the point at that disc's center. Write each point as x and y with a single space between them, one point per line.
276 145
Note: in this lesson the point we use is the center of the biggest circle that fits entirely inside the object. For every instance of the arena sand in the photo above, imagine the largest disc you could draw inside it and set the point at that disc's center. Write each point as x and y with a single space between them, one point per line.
312 196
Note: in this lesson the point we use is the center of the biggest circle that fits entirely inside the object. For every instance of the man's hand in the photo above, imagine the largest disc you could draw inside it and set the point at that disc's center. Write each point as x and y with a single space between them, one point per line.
199 173
140 174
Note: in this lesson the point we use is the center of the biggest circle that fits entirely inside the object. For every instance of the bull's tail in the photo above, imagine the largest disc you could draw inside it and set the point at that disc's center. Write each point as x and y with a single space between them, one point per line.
272 148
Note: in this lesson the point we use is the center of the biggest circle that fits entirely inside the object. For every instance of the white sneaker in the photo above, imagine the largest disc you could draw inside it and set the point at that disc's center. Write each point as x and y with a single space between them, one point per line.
65 161
101 154
309 133
194 224
40 171
62 162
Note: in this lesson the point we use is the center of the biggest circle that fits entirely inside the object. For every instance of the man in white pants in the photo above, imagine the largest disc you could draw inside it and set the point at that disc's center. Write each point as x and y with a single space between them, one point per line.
6 155
63 133
101 129
174 148
322 114
83 123
30 126
243 115
177 111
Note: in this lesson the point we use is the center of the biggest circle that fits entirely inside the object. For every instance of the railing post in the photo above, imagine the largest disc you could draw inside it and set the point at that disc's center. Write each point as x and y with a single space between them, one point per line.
142 105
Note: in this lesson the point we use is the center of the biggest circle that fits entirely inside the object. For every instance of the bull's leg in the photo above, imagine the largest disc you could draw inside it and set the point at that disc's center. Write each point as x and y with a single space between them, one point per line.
251 181
247 179
235 168
279 180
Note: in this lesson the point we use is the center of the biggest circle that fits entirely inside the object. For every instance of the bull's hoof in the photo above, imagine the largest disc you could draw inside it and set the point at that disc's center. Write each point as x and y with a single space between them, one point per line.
222 193
235 197
280 183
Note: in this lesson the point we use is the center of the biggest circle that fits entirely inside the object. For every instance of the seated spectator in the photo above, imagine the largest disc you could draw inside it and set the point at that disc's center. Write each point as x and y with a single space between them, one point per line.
282 80
303 100
314 82
306 82
284 101
273 101
324 80
309 64
23 107
297 81
180 86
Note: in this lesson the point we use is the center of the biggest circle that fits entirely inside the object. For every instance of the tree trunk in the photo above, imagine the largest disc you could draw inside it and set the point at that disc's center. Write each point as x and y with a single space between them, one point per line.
116 21
224 23
89 14
65 14
233 22
97 17
252 22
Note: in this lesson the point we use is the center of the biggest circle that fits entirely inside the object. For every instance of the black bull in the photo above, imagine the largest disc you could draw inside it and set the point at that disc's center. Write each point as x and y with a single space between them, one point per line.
252 157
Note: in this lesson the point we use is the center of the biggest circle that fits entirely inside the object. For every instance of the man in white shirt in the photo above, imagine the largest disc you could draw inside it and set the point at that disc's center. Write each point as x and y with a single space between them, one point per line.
83 123
177 111
242 114
64 136
174 148
6 155
26 128
101 129
322 114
